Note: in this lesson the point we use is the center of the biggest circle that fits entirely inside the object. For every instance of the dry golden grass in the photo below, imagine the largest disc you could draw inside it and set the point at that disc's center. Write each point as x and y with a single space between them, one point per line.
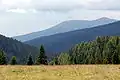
73 72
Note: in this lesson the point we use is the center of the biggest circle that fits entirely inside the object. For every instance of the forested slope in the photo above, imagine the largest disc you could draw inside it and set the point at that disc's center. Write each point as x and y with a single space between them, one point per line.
15 48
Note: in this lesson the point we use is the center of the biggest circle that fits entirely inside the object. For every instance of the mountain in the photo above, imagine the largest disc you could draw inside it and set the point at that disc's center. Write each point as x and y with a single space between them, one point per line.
64 41
66 26
15 48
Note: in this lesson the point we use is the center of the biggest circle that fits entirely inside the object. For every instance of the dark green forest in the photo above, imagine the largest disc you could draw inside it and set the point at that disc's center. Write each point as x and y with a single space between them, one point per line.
40 59
103 50
16 48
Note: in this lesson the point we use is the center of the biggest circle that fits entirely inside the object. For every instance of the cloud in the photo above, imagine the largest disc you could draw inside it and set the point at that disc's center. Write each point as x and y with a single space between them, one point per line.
60 5
43 5
104 5
25 16
17 10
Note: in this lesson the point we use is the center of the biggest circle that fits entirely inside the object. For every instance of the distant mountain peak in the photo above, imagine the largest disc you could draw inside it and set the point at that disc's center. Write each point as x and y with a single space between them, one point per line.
104 19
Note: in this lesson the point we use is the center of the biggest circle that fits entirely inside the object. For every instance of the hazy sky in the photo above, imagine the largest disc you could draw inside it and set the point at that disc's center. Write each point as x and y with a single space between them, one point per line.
25 16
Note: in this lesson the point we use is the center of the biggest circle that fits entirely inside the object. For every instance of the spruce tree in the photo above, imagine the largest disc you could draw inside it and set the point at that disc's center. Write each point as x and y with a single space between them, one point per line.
3 60
30 60
13 61
41 58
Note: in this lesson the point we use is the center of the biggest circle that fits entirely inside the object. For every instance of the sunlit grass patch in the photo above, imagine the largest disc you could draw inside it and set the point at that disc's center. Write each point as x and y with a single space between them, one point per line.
68 72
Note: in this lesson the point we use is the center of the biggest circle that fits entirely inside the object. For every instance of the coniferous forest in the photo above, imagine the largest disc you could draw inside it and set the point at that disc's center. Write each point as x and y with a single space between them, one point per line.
103 50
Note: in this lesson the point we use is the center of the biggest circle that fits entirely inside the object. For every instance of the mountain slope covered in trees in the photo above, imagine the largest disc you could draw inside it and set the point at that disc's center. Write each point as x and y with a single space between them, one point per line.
65 26
64 41
15 48
103 50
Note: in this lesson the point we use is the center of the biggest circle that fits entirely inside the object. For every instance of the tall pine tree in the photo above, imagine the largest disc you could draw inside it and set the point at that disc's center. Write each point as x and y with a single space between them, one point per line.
3 60
30 60
41 58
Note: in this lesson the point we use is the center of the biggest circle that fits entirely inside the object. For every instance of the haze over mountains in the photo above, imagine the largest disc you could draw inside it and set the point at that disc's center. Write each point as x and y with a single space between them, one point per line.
65 27
63 42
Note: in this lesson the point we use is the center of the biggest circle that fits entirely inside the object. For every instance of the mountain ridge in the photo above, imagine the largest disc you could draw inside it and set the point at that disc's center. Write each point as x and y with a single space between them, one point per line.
64 41
65 26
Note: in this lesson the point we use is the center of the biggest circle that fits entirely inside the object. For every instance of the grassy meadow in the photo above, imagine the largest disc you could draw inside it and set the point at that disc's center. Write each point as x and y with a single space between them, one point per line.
68 72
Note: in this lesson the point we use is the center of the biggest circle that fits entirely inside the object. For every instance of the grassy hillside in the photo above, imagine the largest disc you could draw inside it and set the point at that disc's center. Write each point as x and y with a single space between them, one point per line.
73 72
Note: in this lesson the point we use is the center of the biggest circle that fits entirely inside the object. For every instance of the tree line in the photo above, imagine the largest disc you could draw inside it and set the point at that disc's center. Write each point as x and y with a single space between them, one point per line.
103 50
40 59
